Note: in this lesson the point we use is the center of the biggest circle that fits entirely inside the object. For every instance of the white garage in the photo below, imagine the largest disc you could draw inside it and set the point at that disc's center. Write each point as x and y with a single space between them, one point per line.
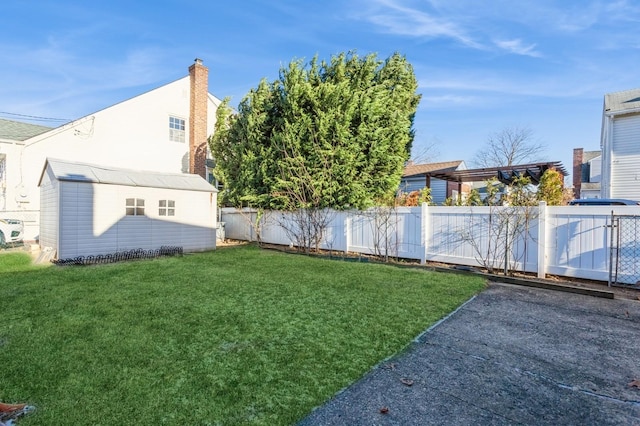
88 209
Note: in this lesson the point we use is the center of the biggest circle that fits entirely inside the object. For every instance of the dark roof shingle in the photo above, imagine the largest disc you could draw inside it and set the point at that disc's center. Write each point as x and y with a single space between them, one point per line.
19 131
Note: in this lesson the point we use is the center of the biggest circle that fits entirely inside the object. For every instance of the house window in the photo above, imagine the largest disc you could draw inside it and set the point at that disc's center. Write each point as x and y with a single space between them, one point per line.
176 129
135 207
167 208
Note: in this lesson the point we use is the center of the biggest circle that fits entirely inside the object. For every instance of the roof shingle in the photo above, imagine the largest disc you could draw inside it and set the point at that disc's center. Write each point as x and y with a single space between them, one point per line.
621 101
19 131
419 169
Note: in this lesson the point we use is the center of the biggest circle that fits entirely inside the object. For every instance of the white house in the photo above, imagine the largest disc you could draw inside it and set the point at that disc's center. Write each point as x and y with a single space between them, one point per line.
163 130
587 170
620 144
12 137
418 176
89 210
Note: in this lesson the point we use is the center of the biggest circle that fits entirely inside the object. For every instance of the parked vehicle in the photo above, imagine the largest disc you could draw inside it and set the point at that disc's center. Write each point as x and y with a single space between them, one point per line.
11 231
603 202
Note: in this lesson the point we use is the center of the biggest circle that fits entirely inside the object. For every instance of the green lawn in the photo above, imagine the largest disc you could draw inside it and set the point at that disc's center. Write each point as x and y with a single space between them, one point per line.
236 336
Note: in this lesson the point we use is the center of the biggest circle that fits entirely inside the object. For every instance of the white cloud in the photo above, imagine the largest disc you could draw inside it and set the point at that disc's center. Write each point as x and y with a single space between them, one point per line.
516 46
447 100
472 85
397 19
53 74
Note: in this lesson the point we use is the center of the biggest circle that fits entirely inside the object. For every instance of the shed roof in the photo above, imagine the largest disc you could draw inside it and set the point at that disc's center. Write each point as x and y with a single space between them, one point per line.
19 131
619 102
82 172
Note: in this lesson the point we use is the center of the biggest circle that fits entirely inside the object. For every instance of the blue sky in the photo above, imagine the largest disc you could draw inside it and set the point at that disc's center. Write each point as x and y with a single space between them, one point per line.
482 66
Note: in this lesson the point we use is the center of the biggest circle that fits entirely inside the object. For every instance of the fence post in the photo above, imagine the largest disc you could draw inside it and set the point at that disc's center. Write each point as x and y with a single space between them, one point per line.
542 239
347 231
251 222
424 238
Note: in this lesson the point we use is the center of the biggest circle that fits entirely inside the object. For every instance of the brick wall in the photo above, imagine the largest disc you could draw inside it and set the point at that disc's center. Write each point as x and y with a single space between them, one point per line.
577 171
198 118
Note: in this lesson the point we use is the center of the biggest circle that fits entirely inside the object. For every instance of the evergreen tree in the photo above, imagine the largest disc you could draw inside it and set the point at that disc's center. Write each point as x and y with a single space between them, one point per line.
330 134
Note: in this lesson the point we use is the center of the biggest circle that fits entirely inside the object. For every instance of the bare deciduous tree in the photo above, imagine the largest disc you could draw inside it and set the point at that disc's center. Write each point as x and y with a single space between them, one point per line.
508 147
504 232
307 217
257 219
425 152
383 222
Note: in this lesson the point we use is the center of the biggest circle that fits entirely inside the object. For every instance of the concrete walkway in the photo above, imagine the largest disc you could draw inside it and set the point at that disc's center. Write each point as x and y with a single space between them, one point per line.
512 355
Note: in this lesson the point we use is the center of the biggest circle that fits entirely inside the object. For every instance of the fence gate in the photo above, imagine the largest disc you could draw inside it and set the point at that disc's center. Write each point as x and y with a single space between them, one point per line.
624 265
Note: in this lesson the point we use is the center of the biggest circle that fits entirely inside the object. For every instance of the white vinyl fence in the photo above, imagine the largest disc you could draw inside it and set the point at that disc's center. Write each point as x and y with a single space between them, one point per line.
572 241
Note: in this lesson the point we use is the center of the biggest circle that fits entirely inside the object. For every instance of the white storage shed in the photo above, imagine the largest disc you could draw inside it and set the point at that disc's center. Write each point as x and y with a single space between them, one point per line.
89 210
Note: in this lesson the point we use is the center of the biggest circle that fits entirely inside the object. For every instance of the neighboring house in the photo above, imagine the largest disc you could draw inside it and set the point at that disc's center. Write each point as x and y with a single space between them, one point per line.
418 176
587 169
12 137
620 144
163 130
89 210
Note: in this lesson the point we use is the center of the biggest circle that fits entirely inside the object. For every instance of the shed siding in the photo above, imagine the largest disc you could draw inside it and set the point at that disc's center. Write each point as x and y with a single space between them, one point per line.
95 221
625 158
68 237
49 214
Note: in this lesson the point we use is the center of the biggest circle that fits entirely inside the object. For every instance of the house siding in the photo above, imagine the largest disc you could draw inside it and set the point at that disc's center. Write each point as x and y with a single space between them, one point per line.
131 134
625 158
417 183
595 169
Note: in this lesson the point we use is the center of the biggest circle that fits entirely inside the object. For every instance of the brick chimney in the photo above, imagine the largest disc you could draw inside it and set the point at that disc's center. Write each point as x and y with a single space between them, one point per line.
199 75
577 171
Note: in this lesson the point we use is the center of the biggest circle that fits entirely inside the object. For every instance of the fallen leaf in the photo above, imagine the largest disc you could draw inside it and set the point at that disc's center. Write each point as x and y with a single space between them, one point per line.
391 366
384 410
407 382
635 383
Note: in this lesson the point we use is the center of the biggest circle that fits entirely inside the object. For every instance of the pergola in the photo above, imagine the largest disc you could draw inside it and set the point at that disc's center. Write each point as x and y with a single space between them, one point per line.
505 174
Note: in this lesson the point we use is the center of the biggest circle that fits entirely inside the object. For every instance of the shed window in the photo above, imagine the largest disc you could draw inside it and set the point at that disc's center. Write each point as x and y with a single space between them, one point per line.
176 129
135 207
167 208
